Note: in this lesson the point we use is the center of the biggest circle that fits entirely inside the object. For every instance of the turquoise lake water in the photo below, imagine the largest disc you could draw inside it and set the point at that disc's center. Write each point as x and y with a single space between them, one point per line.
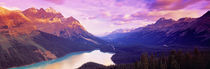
73 60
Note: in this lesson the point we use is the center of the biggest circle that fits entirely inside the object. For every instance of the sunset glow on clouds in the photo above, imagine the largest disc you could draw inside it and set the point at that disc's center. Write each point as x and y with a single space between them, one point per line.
101 16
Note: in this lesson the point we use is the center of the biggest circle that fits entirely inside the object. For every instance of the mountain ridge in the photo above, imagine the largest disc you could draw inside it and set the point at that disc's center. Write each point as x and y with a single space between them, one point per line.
167 31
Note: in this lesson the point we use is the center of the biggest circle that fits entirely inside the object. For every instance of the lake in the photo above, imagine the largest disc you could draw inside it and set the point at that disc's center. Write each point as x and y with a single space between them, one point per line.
73 60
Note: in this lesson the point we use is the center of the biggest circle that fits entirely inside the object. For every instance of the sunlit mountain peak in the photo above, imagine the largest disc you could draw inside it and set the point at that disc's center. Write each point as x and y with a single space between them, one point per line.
51 10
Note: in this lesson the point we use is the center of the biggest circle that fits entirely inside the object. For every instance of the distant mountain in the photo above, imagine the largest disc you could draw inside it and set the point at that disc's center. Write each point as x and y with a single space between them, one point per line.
185 31
121 31
116 33
36 35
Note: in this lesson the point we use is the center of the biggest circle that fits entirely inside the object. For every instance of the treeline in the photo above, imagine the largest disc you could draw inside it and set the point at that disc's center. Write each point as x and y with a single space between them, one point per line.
175 60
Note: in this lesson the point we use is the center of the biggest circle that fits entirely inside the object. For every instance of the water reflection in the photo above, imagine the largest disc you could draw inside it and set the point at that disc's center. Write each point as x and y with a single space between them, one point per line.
78 60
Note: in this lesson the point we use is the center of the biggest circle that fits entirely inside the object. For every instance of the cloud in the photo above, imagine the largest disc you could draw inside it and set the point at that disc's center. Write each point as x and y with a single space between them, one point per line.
206 5
56 1
155 15
11 8
139 22
2 3
106 13
152 16
171 4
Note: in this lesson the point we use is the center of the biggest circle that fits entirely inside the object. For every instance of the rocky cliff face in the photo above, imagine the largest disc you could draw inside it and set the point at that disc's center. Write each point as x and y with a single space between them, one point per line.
52 22
185 31
36 35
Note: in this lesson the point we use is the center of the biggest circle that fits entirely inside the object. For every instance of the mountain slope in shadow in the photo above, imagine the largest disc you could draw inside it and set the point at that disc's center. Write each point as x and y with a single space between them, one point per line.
185 31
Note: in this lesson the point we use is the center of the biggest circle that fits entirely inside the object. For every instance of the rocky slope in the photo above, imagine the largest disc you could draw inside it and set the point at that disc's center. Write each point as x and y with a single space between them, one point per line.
36 35
54 23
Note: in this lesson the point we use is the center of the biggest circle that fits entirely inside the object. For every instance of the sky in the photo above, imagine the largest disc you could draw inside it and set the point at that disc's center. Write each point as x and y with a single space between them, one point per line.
103 16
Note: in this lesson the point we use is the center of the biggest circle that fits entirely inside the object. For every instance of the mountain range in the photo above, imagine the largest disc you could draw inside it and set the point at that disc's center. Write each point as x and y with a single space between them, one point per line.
161 37
185 31
35 35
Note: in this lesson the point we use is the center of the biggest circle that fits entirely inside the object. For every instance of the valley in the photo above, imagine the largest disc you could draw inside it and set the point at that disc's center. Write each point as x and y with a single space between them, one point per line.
38 38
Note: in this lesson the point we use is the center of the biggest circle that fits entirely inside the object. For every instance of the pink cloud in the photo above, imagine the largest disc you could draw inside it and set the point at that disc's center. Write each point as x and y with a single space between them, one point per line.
207 6
155 15
56 1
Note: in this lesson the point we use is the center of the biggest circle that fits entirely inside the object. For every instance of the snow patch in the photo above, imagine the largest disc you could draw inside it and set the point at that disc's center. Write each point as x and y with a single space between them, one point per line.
90 40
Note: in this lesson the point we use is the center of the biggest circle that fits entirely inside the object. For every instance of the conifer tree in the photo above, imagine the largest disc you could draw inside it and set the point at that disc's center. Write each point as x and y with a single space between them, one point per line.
144 61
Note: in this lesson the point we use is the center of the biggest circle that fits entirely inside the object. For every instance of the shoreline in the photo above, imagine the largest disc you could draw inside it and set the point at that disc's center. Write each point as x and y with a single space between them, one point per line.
52 60
57 59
